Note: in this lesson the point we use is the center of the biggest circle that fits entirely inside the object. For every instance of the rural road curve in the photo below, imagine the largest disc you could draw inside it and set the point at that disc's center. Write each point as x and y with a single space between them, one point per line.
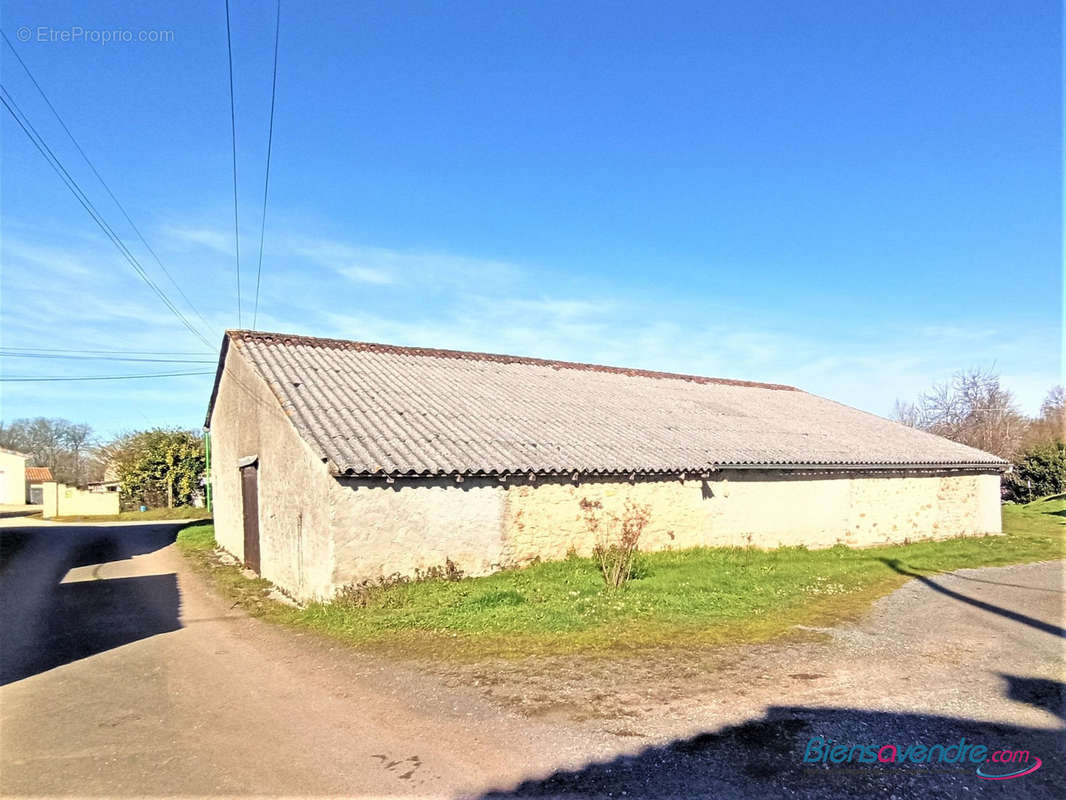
123 675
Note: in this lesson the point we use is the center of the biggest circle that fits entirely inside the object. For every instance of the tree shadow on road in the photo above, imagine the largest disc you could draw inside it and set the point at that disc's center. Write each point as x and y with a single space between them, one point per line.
100 547
89 617
12 540
1025 619
764 758
46 622
1041 693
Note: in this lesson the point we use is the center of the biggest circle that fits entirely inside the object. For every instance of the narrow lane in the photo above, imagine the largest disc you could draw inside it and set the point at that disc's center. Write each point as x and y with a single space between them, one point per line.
123 675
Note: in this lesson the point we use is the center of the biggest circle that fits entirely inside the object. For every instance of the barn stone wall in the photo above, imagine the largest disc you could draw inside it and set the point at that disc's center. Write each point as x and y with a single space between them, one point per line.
481 524
759 508
382 529
294 485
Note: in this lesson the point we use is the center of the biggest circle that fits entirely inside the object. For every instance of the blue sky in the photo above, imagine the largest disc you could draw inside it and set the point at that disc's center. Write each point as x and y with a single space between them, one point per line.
855 198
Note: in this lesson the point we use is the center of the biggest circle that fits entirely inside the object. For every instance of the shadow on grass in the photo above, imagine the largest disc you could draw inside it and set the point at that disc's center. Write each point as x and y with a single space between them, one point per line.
765 758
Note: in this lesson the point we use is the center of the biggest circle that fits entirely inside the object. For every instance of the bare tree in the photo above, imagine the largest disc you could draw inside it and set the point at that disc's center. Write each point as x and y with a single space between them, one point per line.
78 438
1050 426
973 409
907 413
58 444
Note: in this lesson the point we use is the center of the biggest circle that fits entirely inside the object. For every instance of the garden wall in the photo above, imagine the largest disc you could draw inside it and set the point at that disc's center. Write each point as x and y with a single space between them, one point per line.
61 500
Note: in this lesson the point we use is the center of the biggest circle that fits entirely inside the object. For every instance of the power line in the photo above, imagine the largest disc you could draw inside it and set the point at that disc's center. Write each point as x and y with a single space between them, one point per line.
42 147
233 131
53 161
266 182
27 379
9 354
107 352
100 178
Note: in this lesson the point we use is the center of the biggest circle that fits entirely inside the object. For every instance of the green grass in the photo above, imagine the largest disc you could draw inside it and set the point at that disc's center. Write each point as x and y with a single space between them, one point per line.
184 512
689 597
197 541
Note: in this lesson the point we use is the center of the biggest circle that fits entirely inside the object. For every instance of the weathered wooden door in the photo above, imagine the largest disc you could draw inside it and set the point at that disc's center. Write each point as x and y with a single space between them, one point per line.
250 502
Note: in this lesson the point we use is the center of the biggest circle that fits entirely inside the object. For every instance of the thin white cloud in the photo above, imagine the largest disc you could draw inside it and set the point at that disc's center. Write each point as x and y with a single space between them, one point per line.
365 275
560 308
58 262
191 236
412 268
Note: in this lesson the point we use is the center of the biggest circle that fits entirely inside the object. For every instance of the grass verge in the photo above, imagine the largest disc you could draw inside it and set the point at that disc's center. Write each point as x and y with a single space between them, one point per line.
700 596
197 542
152 514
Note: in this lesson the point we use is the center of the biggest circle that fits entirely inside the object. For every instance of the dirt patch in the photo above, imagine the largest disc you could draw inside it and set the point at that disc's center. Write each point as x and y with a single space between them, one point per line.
881 660
583 688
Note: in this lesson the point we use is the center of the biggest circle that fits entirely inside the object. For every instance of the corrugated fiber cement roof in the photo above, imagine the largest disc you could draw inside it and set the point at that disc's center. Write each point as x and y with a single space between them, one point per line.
373 409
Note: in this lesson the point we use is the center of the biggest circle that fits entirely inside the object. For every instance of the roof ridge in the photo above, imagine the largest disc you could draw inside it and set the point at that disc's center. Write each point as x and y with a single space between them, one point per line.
499 358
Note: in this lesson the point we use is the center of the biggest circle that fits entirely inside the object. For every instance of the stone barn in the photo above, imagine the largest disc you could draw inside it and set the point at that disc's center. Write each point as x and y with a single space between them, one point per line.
337 461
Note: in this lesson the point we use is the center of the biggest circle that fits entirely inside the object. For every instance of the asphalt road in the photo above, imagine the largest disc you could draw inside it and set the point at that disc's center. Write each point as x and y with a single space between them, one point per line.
123 675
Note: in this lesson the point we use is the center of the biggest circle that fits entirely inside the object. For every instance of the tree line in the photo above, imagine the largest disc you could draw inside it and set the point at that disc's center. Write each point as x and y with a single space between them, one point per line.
161 467
975 409
67 448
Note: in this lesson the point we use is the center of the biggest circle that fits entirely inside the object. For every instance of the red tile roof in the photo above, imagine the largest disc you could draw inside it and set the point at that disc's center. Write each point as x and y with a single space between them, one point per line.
38 474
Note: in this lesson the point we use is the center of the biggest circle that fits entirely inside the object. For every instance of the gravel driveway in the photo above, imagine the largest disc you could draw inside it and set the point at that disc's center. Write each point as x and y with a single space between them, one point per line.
977 654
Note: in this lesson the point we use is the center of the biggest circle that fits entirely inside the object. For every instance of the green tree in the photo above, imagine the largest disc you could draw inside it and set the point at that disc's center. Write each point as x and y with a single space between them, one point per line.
158 467
1038 471
1040 468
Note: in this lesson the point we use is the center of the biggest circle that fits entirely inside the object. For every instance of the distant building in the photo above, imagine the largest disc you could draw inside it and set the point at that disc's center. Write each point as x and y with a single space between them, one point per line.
335 461
12 477
104 486
36 477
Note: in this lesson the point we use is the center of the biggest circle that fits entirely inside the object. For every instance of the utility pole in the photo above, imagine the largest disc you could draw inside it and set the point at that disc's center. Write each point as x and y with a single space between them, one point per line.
207 470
